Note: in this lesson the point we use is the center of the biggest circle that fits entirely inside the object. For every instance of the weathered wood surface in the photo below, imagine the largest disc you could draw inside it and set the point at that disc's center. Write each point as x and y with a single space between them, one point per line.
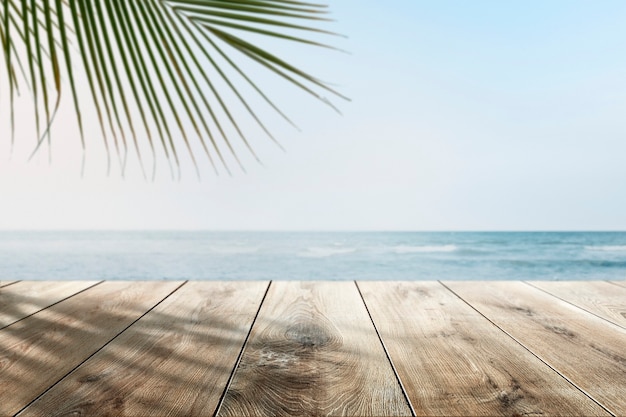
175 361
159 348
40 350
313 351
597 297
6 283
582 347
452 361
28 297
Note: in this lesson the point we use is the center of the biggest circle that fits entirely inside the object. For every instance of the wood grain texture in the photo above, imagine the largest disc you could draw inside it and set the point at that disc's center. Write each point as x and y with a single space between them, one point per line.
598 297
313 351
175 361
38 351
452 361
584 348
27 297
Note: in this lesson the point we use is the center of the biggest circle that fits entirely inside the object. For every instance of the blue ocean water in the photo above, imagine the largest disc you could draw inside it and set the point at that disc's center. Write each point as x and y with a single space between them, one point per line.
313 255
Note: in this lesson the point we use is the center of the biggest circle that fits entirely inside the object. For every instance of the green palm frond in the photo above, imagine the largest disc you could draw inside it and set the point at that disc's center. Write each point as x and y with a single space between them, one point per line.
157 71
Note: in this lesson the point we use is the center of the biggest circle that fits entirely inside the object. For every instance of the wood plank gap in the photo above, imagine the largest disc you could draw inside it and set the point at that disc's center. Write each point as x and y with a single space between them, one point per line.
533 353
395 371
241 352
98 350
575 305
10 283
619 284
51 305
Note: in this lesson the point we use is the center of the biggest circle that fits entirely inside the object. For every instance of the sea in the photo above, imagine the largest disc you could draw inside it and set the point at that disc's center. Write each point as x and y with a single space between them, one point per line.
203 255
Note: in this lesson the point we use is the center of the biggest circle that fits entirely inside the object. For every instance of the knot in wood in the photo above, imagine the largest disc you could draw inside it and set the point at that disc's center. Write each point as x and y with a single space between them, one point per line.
308 335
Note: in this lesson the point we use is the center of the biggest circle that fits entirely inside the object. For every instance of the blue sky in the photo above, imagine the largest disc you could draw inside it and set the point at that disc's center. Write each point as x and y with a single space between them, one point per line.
482 115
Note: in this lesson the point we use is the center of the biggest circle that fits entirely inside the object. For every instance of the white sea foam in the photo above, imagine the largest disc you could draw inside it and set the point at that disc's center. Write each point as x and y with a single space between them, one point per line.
607 248
424 249
325 252
233 250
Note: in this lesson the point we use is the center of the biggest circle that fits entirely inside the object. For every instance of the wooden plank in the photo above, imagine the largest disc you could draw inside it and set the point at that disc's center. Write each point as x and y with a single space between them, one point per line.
584 348
452 361
40 350
313 351
175 361
597 297
28 297
6 283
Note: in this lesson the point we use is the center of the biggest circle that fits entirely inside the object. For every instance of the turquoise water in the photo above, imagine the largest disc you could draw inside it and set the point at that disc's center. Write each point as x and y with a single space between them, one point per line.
317 256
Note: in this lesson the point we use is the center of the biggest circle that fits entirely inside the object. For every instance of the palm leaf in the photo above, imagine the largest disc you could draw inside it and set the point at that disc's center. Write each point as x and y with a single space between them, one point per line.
159 73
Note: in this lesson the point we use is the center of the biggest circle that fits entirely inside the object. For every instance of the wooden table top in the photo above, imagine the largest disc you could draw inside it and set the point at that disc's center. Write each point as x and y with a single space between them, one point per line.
312 348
